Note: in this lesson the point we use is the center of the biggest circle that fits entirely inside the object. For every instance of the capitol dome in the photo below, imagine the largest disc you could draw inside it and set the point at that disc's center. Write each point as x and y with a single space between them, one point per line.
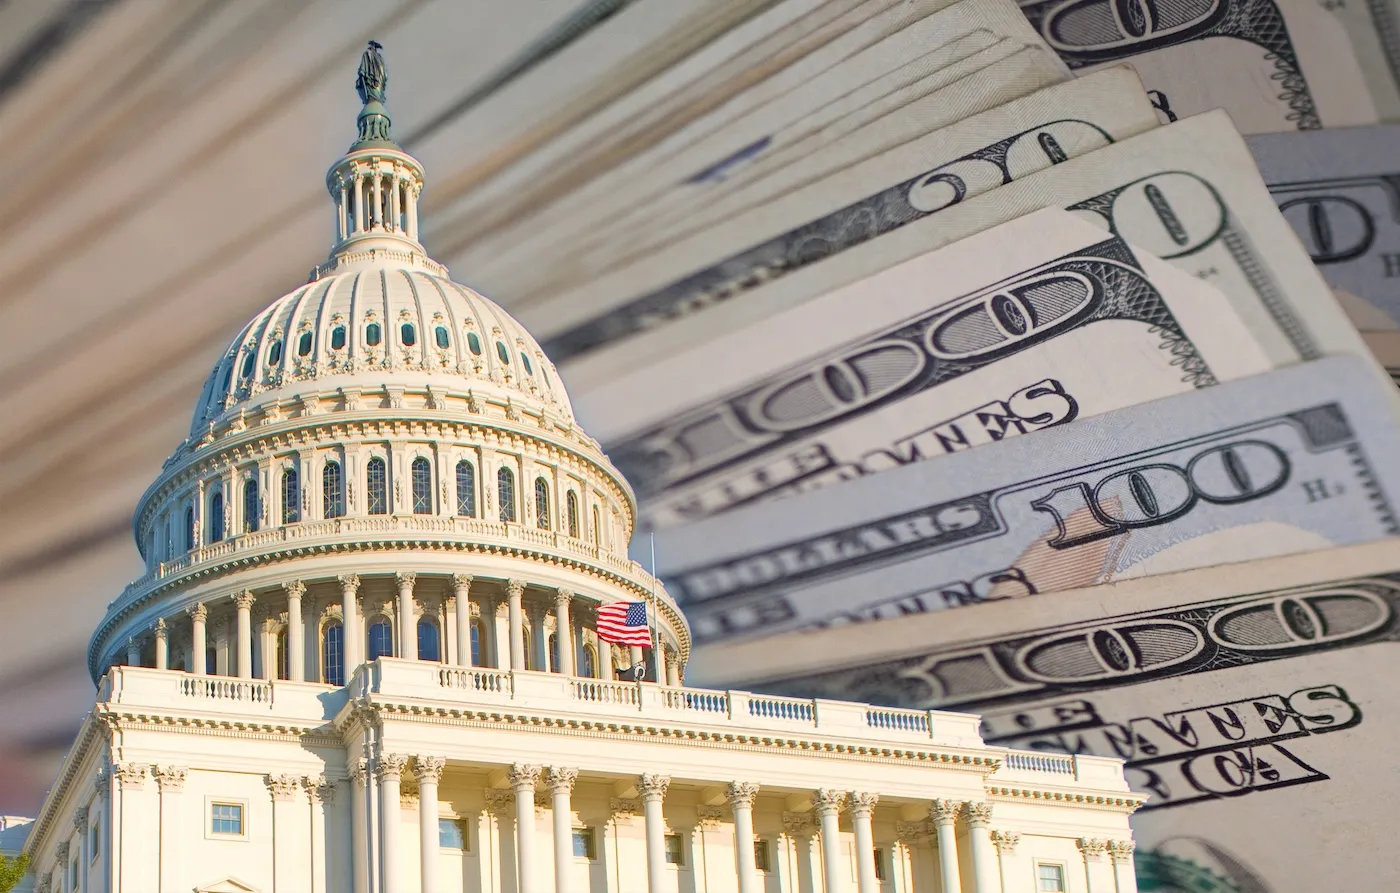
383 462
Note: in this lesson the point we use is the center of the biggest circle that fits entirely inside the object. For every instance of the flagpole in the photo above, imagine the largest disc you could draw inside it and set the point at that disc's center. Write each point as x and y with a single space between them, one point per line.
651 612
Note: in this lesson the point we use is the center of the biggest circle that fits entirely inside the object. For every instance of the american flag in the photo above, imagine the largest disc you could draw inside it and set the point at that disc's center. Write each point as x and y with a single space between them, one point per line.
624 623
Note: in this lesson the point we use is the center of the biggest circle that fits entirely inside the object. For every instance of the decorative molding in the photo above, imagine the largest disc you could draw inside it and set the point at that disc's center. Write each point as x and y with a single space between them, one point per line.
562 779
406 579
829 801
522 777
198 612
244 600
741 793
80 819
161 630
915 831
623 808
131 775
319 789
563 595
979 815
60 853
1005 841
170 778
652 786
1091 848
862 804
1120 850
944 812
359 771
515 588
708 817
349 584
390 765
294 589
798 824
462 582
500 803
428 769
100 782
283 787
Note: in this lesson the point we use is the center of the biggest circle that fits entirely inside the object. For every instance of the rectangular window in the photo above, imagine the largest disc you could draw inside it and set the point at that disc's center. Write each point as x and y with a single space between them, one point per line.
879 864
95 838
762 854
584 845
1050 878
452 835
73 875
675 850
226 818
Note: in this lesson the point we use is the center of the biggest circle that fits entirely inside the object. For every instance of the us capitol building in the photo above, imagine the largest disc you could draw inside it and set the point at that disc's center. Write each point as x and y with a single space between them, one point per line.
364 656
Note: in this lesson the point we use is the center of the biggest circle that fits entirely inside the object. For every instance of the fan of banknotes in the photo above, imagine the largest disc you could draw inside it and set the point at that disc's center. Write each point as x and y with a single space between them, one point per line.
1027 360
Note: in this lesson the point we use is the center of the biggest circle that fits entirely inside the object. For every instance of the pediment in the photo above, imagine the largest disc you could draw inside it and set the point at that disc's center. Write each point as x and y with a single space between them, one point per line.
227 885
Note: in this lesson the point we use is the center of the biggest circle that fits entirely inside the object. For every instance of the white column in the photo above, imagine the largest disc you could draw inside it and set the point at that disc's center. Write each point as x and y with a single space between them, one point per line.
394 207
515 590
985 877
296 643
944 813
61 857
340 227
321 794
376 210
741 797
171 781
359 182
653 789
634 655
462 617
1005 842
561 786
828 804
564 629
1090 848
1121 852
428 771
107 835
663 672
673 671
389 769
408 627
412 215
359 826
199 616
353 641
162 633
522 780
862 821
244 601
133 652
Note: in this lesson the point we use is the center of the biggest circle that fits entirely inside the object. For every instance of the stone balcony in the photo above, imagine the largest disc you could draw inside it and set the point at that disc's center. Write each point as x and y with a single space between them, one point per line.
426 689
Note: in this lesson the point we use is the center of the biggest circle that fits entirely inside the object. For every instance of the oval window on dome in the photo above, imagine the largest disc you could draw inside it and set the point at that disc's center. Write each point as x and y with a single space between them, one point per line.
474 343
502 353
526 360
228 377
440 333
247 370
304 344
408 335
373 334
274 353
337 337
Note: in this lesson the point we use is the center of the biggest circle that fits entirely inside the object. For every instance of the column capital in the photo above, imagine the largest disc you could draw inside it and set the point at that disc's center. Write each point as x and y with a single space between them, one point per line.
828 801
61 854
652 786
406 579
162 631
862 804
1091 848
912 832
707 817
198 612
944 812
797 824
244 600
80 819
428 769
741 794
390 765
1119 850
563 595
623 808
131 775
294 588
1005 841
522 777
499 803
283 787
515 588
561 780
99 784
170 778
359 771
319 789
463 581
979 815
349 583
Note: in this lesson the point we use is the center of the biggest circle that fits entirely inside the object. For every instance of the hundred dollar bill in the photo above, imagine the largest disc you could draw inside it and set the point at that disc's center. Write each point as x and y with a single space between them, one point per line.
595 341
1242 698
912 54
1081 325
1288 461
1340 189
1187 192
1274 65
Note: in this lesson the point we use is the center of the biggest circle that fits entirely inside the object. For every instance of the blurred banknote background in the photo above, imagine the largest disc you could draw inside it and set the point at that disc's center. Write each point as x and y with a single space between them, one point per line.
885 307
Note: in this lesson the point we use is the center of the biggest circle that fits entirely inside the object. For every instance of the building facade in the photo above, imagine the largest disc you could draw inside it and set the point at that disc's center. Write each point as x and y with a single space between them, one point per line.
364 656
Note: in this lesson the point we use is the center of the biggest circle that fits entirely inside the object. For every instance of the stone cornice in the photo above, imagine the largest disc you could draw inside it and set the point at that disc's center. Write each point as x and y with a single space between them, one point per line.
91 732
1127 803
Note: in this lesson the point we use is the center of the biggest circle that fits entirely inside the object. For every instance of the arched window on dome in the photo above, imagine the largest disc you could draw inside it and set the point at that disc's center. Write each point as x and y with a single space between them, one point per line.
291 495
429 642
440 334
338 338
252 505
422 478
541 503
249 361
333 490
377 486
597 527
333 653
408 335
215 523
466 489
228 377
571 508
304 344
373 334
474 344
189 527
379 639
505 492
478 636
525 360
588 662
274 353
502 353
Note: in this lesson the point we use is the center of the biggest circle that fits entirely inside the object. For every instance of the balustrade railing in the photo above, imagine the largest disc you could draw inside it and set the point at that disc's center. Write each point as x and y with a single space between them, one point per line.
596 691
226 689
782 708
476 679
897 720
1028 761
